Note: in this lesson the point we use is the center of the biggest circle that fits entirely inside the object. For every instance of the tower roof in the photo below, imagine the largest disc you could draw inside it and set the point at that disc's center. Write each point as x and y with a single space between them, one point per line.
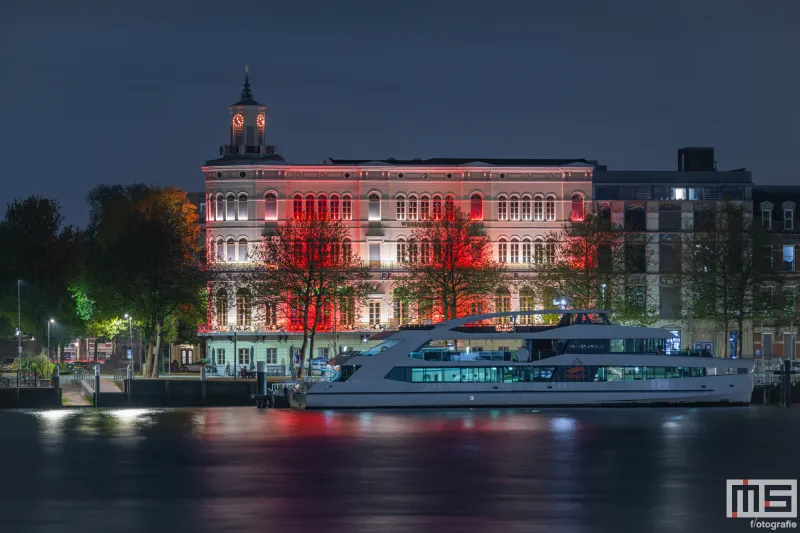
246 98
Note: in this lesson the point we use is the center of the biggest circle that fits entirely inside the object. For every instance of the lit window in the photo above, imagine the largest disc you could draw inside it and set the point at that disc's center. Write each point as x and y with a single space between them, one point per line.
374 200
514 251
220 255
221 356
526 207
577 207
271 314
243 308
242 249
230 207
334 205
222 309
449 207
347 249
374 313
514 207
550 252
401 250
309 206
678 194
538 207
788 219
502 251
219 208
298 207
244 356
476 207
272 356
270 206
322 207
502 208
538 252
230 251
424 207
526 251
788 258
437 207
550 208
401 207
412 207
347 207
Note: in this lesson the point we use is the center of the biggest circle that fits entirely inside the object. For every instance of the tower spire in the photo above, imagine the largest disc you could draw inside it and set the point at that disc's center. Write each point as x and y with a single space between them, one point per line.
247 94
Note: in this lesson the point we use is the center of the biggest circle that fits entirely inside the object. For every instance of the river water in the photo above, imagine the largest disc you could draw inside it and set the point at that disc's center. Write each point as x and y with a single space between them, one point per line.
243 469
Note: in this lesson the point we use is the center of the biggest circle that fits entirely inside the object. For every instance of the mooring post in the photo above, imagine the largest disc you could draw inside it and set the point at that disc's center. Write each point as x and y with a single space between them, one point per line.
203 383
96 386
261 384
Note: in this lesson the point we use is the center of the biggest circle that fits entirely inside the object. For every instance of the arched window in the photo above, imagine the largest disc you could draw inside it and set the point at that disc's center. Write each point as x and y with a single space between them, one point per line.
426 251
270 206
550 252
527 302
271 314
220 250
526 207
242 206
424 207
412 207
222 309
514 249
476 207
219 208
297 206
374 201
412 251
538 207
243 314
577 207
309 206
230 250
514 207
322 207
210 207
334 205
347 207
502 207
401 207
347 249
502 304
538 252
502 251
550 208
242 249
401 250
449 207
526 250
436 207
230 207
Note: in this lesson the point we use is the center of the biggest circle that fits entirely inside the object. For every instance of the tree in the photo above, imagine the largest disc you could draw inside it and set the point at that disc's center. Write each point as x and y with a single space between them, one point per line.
302 268
727 264
146 258
597 265
449 265
46 255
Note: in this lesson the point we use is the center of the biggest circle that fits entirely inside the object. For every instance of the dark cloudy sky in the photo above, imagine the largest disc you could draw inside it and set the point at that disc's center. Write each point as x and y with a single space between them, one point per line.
126 91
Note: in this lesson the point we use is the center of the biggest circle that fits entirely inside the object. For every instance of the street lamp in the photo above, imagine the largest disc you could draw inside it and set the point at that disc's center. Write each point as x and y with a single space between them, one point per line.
49 323
19 334
130 332
603 293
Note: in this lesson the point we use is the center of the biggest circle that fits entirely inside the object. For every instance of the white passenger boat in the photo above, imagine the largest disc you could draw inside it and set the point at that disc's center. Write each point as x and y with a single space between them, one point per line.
494 360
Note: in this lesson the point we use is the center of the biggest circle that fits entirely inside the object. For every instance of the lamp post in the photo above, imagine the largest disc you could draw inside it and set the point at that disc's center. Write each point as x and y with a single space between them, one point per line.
19 334
130 333
603 294
49 323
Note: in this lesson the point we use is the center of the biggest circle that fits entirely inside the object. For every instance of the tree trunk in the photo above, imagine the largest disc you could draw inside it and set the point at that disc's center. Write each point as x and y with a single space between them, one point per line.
148 345
157 352
95 349
739 332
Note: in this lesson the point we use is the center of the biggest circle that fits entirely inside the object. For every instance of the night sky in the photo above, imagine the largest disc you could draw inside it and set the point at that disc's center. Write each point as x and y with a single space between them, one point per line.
138 91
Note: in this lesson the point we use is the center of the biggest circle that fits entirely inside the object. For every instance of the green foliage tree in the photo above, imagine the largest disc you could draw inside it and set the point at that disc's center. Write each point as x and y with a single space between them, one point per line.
145 258
598 265
449 265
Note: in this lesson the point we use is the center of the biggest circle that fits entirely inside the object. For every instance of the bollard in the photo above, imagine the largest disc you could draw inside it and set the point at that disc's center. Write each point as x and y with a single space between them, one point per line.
261 384
203 383
55 381
129 382
96 386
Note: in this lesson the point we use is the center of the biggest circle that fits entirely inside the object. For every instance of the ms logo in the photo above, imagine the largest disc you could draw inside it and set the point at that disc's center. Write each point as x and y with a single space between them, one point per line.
761 498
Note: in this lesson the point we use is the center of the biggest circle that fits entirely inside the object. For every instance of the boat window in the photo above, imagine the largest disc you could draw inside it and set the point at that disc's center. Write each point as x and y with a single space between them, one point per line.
375 350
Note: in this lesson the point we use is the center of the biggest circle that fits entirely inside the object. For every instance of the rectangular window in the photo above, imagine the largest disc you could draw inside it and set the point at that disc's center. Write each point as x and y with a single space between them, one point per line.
674 344
669 302
401 209
526 208
526 251
789 301
636 258
766 218
272 356
515 251
424 208
514 209
788 219
788 258
374 254
550 209
502 252
244 356
334 208
678 193
374 313
412 208
766 345
635 297
502 206
220 356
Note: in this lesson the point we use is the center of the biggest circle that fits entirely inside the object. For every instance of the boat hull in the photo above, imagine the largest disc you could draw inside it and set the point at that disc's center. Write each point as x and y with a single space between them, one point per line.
712 390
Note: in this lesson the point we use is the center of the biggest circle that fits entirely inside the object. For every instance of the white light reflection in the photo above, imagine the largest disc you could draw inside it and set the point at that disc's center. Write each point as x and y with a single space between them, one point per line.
563 424
131 415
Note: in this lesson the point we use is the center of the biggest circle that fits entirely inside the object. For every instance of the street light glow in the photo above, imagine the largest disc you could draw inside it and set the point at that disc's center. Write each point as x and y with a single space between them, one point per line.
52 320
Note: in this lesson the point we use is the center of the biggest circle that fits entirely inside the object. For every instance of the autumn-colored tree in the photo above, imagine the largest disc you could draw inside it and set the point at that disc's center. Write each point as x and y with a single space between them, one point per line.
597 265
146 258
449 263
303 268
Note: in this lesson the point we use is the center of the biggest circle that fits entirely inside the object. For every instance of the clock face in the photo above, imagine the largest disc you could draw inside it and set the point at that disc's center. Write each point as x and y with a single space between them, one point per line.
238 120
260 121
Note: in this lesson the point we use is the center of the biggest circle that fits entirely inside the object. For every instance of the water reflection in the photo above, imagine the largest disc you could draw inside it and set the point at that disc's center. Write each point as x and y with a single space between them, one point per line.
236 469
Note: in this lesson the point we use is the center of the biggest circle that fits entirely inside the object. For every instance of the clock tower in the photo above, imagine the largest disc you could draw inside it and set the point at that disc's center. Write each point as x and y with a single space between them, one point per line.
248 126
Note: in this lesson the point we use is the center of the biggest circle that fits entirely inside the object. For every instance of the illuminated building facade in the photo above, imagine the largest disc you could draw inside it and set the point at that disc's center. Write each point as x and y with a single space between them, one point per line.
250 189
